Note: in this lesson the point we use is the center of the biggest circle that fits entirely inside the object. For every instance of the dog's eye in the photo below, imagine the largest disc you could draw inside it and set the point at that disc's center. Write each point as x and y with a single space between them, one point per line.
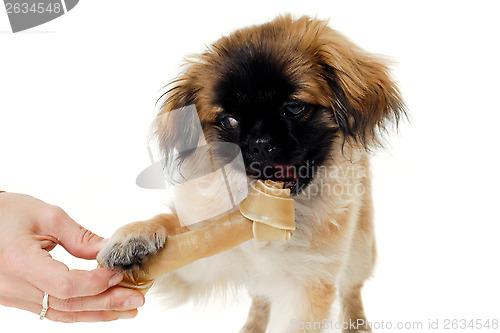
229 122
294 111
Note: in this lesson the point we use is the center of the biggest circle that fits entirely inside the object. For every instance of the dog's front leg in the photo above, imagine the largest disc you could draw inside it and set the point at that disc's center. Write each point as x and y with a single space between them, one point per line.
131 246
299 308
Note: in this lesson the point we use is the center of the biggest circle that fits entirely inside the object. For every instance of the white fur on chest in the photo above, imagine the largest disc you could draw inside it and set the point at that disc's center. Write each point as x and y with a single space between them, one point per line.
264 266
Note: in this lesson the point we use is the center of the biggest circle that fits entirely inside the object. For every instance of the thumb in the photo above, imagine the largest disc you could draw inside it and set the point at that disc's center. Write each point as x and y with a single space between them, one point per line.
77 240
81 242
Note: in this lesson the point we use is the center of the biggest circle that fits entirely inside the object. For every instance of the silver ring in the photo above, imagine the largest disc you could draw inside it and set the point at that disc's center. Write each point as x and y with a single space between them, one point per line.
45 305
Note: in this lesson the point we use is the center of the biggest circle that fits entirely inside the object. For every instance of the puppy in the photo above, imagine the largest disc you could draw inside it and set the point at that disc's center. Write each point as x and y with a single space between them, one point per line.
305 105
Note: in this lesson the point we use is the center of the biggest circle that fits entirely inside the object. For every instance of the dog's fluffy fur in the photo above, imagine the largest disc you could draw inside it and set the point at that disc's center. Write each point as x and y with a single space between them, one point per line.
350 98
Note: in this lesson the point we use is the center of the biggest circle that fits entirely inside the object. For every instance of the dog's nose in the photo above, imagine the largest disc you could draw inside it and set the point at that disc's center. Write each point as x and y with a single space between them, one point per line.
262 147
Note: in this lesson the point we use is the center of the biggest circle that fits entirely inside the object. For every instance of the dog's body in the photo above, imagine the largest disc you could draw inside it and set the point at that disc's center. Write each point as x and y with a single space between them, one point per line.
293 284
326 99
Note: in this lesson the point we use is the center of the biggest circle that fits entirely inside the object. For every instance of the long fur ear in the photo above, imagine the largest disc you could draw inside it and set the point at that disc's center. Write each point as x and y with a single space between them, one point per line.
174 126
364 97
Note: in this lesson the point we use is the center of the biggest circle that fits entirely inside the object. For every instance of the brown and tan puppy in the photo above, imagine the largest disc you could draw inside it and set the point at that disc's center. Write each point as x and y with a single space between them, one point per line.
304 105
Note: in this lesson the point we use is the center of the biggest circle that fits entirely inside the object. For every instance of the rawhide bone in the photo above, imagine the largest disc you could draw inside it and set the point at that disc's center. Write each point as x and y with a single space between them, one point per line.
267 214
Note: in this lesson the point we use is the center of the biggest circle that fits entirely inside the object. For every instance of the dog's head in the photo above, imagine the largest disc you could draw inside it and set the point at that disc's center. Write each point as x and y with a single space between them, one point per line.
284 92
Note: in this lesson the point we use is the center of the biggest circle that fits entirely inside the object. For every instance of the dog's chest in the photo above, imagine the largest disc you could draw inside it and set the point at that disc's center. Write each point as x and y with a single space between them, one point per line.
259 264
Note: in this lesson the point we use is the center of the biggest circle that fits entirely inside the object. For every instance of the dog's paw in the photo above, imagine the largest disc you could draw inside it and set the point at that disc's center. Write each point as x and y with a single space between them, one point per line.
132 246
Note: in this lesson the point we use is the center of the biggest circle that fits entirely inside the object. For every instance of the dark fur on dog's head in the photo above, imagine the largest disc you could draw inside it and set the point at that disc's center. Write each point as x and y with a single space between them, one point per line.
284 91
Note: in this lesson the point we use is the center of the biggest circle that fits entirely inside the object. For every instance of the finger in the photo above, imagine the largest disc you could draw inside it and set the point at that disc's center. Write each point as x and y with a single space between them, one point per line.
68 317
55 278
89 316
115 298
17 288
77 240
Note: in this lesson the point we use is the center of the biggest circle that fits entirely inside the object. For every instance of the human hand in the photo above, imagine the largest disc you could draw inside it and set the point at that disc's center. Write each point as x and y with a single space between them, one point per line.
29 229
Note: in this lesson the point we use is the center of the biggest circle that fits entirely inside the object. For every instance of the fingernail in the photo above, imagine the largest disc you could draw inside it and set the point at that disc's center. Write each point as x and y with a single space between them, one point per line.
115 279
133 302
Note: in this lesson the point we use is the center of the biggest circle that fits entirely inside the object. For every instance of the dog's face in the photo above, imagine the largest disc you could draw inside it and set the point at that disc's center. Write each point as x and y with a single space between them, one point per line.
259 107
285 92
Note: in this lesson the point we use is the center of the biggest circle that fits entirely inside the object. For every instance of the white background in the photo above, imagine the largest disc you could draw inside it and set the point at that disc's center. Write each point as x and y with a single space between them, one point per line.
77 97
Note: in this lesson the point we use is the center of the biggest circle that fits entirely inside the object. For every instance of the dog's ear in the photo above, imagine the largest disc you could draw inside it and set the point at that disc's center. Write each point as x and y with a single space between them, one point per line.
177 127
364 99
